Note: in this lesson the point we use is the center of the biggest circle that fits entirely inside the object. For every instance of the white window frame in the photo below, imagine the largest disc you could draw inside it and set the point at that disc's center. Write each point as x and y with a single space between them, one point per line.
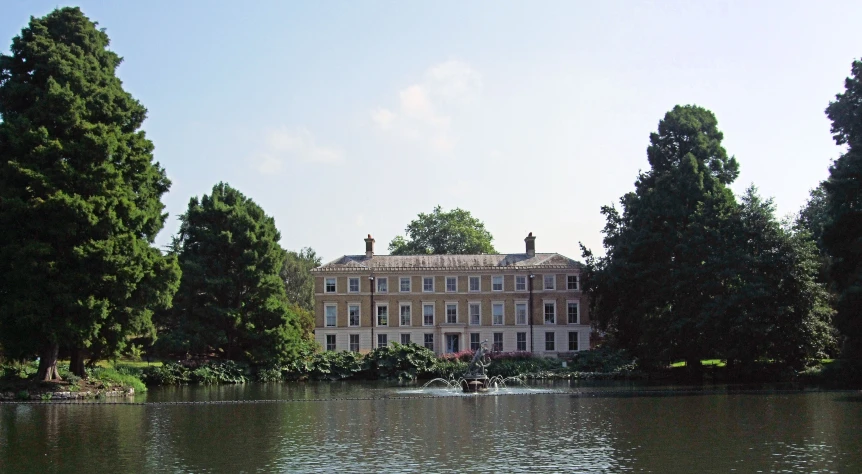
502 313
409 306
424 290
470 304
377 314
383 336
478 341
377 282
578 320
358 315
334 342
358 283
446 305
446 284
544 312
502 282
553 341
409 284
517 341
326 307
525 282
326 281
478 283
553 281
350 342
526 313
494 344
433 310
577 282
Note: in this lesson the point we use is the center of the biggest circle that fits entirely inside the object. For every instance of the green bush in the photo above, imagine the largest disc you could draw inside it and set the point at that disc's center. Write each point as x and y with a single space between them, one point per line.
605 360
401 361
205 374
450 368
112 376
166 374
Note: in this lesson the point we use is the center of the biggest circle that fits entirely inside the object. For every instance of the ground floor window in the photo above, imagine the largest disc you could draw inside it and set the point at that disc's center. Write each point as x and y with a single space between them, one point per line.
474 341
429 341
382 340
498 342
330 342
573 341
354 343
405 339
521 341
453 343
550 341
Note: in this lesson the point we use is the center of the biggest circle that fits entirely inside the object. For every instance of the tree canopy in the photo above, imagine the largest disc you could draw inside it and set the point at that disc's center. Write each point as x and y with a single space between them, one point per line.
80 198
452 232
298 281
231 302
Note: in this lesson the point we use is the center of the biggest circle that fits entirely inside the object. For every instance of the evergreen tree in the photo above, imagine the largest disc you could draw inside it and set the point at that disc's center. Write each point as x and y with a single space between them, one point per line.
80 198
231 300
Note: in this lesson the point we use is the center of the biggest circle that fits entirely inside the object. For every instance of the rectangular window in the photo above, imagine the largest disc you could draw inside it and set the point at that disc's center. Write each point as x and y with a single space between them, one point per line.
330 342
427 314
353 285
428 284
451 284
549 341
550 282
354 343
521 341
475 284
405 339
475 314
405 315
572 282
429 341
497 314
451 313
330 285
353 315
498 342
520 283
382 340
497 283
550 313
404 284
573 341
520 313
383 315
573 313
382 284
331 312
474 341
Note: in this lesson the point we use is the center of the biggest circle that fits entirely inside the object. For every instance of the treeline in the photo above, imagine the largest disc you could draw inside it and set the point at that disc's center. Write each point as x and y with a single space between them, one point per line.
692 272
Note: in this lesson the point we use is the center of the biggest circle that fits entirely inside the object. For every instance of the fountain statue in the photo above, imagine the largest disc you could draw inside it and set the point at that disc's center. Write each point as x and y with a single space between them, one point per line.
475 379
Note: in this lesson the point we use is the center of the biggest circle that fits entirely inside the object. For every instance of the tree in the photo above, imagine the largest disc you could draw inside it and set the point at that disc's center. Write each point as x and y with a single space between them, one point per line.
453 232
80 199
298 281
231 300
842 233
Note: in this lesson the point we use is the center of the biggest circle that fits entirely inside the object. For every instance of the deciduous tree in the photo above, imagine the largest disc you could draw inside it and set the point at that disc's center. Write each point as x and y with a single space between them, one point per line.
453 232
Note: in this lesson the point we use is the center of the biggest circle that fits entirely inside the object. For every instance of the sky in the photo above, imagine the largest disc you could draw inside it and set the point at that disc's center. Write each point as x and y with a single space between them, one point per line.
347 118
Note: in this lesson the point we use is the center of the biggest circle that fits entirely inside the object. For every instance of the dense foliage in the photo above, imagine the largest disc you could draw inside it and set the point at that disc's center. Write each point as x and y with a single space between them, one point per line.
80 199
298 281
231 302
453 232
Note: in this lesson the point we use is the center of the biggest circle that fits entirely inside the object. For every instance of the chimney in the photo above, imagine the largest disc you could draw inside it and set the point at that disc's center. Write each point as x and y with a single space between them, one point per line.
531 245
369 247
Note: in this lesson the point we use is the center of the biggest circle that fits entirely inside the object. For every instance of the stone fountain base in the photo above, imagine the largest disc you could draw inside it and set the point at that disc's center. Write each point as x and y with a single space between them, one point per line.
475 383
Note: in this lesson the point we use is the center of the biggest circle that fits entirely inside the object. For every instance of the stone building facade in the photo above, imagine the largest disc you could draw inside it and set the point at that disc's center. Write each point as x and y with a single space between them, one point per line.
517 302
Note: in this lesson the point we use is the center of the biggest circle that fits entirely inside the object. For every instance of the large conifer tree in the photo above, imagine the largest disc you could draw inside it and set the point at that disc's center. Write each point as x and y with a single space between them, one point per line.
79 198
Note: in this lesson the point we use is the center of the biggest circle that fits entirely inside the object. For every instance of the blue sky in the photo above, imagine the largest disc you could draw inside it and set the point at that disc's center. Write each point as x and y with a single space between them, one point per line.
347 118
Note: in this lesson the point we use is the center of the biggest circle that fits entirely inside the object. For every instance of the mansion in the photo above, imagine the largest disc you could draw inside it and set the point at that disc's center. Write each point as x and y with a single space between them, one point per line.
448 303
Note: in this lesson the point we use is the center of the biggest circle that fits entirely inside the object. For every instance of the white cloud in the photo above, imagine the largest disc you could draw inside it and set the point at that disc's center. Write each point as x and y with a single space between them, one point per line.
283 144
425 109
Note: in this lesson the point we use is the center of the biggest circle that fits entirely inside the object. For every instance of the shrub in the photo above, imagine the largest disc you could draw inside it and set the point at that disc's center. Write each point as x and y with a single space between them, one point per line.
110 375
167 374
401 361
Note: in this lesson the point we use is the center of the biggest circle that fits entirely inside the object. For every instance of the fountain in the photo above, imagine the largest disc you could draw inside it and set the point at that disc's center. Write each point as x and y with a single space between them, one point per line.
475 379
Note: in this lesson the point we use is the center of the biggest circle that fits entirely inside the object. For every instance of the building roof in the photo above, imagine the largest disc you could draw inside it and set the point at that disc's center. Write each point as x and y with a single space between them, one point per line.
513 261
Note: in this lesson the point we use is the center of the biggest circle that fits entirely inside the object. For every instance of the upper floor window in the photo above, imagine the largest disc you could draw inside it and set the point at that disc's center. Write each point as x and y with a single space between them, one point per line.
497 313
497 283
520 283
451 284
451 313
382 284
404 284
572 282
353 285
574 317
353 315
428 315
329 285
428 284
550 313
474 283
405 314
383 315
550 282
520 313
475 314
331 312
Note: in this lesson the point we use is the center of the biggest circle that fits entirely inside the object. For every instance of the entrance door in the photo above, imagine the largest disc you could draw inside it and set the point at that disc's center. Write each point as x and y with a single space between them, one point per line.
452 343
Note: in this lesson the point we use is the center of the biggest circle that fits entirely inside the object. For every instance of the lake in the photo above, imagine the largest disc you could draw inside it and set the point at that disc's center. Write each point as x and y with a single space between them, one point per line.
369 427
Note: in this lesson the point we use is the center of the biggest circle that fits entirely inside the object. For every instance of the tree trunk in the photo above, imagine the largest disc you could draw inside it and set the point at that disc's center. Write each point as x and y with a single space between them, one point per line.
76 363
48 363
